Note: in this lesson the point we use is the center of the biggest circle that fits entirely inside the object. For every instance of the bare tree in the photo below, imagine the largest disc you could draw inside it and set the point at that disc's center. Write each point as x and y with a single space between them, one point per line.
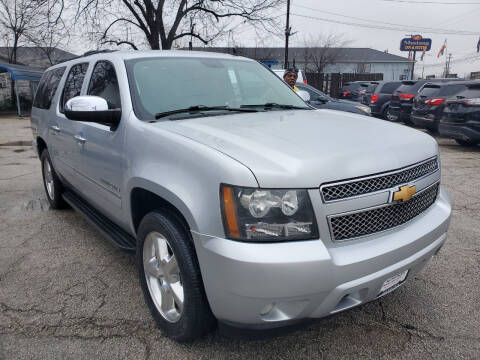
322 50
162 23
18 18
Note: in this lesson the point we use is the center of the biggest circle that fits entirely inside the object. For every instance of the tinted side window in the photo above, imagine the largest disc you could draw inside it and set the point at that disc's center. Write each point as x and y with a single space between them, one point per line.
470 93
451 90
104 83
47 88
389 88
73 84
38 101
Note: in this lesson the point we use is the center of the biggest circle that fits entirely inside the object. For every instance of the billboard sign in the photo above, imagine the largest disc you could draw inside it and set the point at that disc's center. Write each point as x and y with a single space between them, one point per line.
416 43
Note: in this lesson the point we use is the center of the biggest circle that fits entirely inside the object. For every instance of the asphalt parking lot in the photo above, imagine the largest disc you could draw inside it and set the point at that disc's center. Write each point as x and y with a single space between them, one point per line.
67 293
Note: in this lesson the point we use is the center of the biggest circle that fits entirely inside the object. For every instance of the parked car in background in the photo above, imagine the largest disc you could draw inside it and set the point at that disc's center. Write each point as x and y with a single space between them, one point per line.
353 90
301 78
365 98
401 103
380 99
320 100
461 117
429 103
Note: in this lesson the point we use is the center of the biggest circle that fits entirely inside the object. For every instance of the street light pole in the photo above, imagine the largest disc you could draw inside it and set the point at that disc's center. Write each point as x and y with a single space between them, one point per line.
287 34
413 65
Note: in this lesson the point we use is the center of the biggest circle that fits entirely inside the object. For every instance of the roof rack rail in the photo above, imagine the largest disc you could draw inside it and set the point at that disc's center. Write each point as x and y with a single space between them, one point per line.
93 52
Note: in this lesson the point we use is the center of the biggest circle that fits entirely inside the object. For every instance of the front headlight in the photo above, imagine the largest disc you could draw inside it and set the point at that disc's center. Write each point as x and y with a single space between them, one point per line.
253 214
365 109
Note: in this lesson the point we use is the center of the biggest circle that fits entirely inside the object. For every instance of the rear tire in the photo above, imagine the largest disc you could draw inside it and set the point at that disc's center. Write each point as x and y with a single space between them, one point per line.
51 183
170 278
385 113
392 118
466 142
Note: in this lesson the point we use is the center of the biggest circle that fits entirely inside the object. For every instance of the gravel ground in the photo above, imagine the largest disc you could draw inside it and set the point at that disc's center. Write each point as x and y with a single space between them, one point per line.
67 293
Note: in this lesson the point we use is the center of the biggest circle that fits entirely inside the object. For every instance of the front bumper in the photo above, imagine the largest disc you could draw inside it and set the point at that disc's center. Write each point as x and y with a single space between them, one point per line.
267 284
462 131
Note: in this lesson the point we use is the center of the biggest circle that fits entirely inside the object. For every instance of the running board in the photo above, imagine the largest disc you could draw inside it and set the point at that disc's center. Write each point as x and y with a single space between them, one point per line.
109 229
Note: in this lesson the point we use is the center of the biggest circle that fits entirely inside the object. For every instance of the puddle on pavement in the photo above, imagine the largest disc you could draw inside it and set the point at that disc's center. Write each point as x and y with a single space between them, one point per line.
16 143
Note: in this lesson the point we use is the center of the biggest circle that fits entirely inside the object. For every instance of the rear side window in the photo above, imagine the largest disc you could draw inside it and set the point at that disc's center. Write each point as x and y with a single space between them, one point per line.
47 88
390 87
73 84
451 90
104 83
469 93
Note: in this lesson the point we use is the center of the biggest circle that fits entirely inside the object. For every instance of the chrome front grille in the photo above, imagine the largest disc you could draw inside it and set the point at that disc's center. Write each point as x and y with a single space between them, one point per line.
346 189
365 222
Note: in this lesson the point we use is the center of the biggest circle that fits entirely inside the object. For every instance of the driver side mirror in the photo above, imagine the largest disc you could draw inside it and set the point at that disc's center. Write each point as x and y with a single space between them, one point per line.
304 95
92 109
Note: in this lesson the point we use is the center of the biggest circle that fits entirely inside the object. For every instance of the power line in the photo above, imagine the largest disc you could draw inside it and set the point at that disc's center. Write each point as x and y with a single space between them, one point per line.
384 27
434 2
410 27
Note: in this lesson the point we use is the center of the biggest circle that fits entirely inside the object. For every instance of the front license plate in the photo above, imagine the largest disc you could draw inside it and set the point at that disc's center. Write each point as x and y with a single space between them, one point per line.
393 282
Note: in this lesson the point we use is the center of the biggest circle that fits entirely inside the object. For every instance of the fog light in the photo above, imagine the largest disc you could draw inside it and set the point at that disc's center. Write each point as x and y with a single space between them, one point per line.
266 309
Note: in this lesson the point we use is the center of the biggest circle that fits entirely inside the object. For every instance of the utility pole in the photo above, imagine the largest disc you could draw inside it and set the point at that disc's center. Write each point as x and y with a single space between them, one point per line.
447 65
288 31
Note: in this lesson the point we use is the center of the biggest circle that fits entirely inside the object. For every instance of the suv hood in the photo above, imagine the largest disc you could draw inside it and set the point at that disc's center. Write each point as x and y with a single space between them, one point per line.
305 148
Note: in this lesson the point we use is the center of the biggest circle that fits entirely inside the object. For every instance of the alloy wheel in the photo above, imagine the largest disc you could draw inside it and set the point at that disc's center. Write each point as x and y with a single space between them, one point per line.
163 276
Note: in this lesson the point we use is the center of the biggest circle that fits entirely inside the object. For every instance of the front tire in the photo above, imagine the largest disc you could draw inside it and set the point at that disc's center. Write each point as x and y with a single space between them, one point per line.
170 278
51 183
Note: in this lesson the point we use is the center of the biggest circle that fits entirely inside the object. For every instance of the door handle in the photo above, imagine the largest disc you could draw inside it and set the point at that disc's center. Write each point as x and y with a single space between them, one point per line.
55 129
80 139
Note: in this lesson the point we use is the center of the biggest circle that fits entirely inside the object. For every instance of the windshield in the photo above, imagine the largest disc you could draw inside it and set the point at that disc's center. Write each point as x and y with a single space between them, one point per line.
166 84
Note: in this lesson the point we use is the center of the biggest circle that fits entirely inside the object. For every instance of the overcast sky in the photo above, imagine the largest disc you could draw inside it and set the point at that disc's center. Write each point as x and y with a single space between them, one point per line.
463 15
457 17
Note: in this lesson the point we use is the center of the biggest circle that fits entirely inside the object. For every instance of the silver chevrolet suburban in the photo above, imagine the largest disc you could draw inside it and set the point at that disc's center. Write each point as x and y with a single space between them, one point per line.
243 204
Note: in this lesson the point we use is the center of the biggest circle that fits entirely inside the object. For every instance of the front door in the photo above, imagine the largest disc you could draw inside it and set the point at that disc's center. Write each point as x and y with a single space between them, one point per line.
102 152
64 132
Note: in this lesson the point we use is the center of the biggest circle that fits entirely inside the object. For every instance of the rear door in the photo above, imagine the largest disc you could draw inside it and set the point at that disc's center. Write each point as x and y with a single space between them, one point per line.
102 152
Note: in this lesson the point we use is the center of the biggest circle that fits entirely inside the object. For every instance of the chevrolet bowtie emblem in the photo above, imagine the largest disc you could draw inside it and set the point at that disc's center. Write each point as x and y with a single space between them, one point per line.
405 193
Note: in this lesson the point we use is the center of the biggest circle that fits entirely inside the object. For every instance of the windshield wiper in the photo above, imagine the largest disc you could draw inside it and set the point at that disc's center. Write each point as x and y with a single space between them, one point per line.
272 105
197 108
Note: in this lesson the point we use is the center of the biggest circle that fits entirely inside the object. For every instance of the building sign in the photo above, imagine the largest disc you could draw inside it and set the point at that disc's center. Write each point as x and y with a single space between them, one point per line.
416 43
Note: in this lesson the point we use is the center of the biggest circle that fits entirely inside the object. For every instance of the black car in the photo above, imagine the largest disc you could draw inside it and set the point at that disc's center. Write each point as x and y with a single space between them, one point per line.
379 101
365 98
353 90
429 103
320 100
461 117
401 103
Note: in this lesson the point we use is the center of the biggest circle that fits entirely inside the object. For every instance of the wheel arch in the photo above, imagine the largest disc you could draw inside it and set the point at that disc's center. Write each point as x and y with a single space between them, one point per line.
145 197
41 145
